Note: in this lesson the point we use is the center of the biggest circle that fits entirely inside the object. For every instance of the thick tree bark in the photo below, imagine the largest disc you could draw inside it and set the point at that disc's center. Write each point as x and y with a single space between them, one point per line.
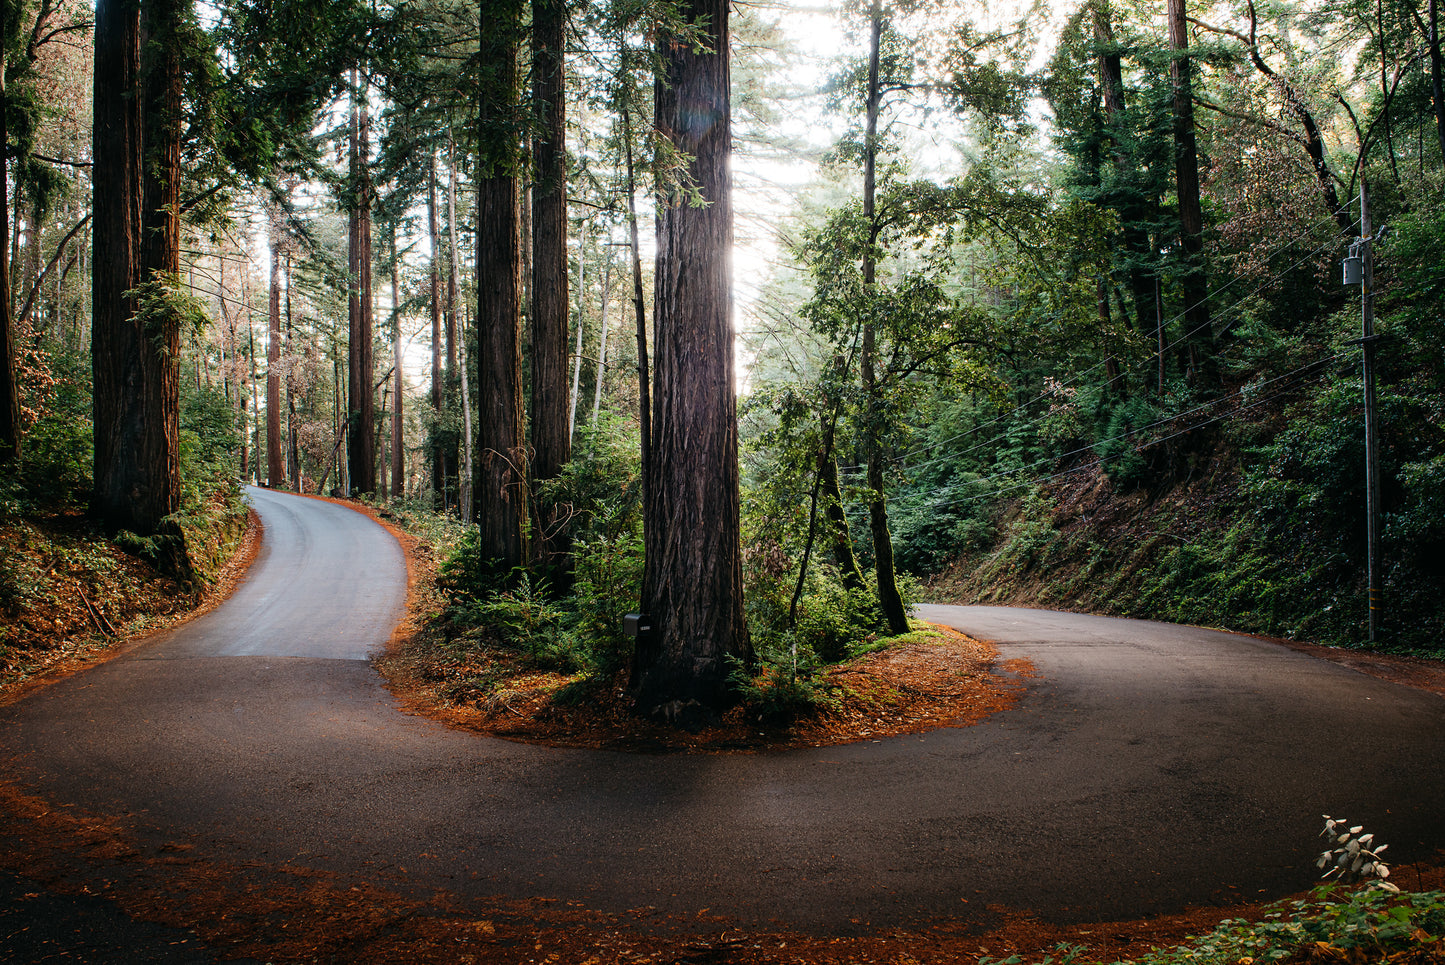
361 438
275 466
551 437
136 179
889 599
501 471
398 422
353 289
1198 331
9 385
692 589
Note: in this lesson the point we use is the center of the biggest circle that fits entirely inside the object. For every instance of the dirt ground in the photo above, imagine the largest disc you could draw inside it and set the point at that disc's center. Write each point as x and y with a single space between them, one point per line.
286 913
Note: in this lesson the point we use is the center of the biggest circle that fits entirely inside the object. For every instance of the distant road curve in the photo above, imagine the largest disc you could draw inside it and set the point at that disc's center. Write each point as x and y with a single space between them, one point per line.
1147 768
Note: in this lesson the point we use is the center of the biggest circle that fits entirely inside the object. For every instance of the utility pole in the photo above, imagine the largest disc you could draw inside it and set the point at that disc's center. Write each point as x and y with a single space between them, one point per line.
1372 445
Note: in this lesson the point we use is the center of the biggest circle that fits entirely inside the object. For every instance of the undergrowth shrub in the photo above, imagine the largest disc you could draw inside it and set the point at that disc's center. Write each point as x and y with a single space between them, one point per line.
788 681
1120 437
1373 922
577 629
55 468
606 583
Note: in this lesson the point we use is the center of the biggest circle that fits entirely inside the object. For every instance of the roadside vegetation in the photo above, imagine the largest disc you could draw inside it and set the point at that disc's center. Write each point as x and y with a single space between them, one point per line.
1333 926
67 590
1373 921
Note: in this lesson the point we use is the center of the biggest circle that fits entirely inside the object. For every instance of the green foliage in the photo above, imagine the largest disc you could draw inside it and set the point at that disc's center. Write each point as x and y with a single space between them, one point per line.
1119 449
788 682
18 574
209 440
1369 923
56 467
931 529
525 618
464 577
598 493
165 301
607 582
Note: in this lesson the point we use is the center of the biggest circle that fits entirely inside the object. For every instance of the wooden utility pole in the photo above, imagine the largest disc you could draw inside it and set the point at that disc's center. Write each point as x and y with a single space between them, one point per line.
1372 445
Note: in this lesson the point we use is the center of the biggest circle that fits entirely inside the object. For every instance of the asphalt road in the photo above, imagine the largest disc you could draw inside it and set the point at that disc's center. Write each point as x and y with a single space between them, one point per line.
1147 768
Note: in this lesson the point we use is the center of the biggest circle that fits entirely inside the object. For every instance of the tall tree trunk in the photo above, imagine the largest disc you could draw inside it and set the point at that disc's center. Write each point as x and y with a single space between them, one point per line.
501 471
692 589
398 444
255 397
439 459
1198 333
601 342
639 312
275 467
1437 87
838 535
361 441
9 385
889 599
464 473
551 436
581 332
136 180
353 281
293 444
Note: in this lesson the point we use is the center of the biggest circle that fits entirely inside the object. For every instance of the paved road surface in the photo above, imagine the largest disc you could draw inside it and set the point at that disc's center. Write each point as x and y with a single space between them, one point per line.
1147 768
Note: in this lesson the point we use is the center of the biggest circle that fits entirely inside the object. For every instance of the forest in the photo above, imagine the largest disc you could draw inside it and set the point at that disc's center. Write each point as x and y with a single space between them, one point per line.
759 322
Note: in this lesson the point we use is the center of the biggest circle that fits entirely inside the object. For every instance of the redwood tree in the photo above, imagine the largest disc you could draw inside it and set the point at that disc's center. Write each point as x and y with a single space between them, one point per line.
439 459
361 427
501 468
692 588
1197 324
275 465
135 341
551 438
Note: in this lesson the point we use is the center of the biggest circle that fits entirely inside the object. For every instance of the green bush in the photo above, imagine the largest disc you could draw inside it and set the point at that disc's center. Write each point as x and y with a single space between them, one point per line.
1119 450
56 465
607 583
787 682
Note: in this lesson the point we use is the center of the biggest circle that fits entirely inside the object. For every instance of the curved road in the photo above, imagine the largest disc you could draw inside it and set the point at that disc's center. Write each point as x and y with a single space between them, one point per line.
1147 767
